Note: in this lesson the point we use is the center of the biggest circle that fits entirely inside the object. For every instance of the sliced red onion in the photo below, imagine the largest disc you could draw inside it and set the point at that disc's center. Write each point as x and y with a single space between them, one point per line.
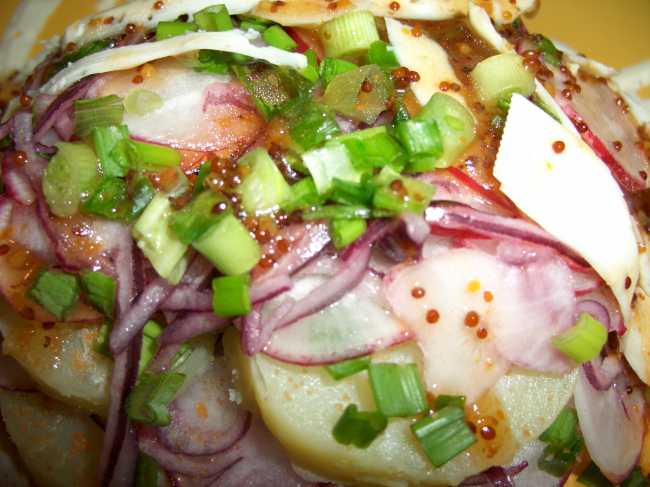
612 424
192 325
64 125
604 307
163 359
595 309
495 477
6 208
131 323
26 229
198 272
13 377
204 419
416 227
601 372
24 141
186 298
268 287
125 467
17 184
6 128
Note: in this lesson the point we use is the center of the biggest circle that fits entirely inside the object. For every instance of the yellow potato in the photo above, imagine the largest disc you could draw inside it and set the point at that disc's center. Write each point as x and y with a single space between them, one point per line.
300 405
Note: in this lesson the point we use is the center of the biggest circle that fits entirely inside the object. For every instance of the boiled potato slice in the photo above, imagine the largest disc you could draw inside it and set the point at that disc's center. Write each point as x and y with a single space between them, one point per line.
62 361
59 446
11 468
300 405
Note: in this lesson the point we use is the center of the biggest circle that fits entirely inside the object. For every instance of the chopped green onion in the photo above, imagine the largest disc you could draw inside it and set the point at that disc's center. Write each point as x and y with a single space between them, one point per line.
635 479
108 199
551 54
315 126
593 477
401 112
443 401
422 141
150 335
230 296
181 356
303 195
167 29
344 232
341 370
229 246
68 178
329 162
347 193
111 147
584 340
382 55
100 290
85 50
195 219
158 242
276 36
373 148
264 189
498 77
147 472
97 112
358 428
56 291
153 157
399 194
397 389
101 344
563 431
444 435
564 444
142 102
254 23
330 68
337 212
361 94
204 171
149 400
349 34
213 19
143 193
215 62
311 71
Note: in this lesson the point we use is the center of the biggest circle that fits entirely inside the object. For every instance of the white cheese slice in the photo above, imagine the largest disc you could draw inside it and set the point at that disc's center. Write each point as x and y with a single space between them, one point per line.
133 56
572 195
144 13
425 56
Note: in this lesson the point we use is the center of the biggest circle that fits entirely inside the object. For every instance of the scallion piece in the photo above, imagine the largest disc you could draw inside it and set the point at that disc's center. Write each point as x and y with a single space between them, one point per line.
254 23
551 54
349 34
230 296
100 290
143 193
168 29
212 62
593 477
153 157
373 148
398 194
563 430
142 102
382 55
264 189
85 50
150 335
337 212
111 147
101 344
358 428
229 246
315 126
303 195
564 443
341 370
344 232
584 340
147 472
635 479
149 400
397 389
329 162
444 435
68 178
276 36
311 71
213 19
498 77
347 193
108 200
330 68
97 112
181 356
443 401
56 291
199 182
195 219
422 141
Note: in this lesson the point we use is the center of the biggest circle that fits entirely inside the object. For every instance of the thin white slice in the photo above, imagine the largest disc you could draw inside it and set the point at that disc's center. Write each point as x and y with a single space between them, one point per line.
425 56
300 405
143 12
570 194
59 446
132 56
636 341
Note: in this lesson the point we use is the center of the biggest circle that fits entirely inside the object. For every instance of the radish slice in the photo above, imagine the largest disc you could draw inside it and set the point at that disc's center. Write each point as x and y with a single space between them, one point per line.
204 419
358 323
612 425
202 112
474 315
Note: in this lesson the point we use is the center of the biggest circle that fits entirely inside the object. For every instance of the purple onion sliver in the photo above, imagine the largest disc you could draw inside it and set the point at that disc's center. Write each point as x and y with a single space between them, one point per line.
17 184
495 476
416 227
266 288
596 310
192 325
186 298
6 208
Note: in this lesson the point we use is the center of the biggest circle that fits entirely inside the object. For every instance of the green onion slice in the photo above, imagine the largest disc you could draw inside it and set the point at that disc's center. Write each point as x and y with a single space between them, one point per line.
149 400
109 199
213 19
349 34
341 370
147 472
358 428
168 29
100 290
593 477
56 291
111 145
142 102
584 341
397 389
344 232
231 296
443 401
330 68
97 112
195 219
276 36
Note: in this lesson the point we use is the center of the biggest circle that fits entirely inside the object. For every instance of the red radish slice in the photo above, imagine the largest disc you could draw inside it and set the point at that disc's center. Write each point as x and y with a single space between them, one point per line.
356 324
601 372
199 111
204 419
612 425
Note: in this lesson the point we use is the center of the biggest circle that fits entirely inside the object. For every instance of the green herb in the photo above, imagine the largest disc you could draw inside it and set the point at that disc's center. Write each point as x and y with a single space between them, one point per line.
149 400
168 29
315 126
147 472
443 401
143 193
382 55
108 200
111 145
230 296
56 291
358 428
276 36
101 343
330 68
349 34
397 389
593 477
97 112
344 232
150 335
564 443
100 290
303 195
346 368
195 219
584 340
551 54
214 19
337 212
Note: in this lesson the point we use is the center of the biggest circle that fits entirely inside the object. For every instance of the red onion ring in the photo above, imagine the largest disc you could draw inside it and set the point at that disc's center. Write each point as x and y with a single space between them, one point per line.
192 325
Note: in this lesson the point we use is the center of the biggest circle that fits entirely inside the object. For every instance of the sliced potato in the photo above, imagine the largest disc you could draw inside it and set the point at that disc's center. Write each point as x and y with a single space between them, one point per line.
300 405
59 446
62 361
11 468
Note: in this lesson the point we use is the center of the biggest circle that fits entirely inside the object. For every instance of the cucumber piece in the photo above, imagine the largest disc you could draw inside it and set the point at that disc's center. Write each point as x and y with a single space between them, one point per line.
229 246
158 242
264 189
498 77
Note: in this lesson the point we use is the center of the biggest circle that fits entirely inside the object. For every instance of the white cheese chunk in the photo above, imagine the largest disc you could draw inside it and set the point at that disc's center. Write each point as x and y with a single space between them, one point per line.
570 194
143 13
426 57
133 56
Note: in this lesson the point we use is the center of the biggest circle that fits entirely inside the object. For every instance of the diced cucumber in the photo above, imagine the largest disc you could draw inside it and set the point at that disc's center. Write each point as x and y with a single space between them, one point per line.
264 188
498 77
